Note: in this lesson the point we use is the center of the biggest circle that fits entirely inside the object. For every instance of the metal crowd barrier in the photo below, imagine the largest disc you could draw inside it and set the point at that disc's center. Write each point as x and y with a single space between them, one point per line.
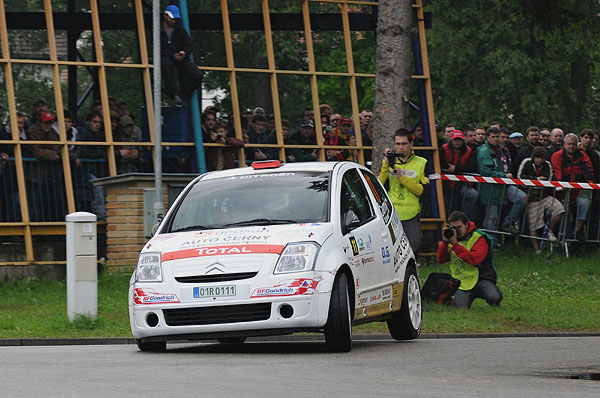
456 199
45 189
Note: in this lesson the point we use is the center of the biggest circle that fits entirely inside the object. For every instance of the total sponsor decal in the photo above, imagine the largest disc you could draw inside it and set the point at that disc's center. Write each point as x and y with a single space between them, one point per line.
151 296
289 287
221 250
385 255
374 297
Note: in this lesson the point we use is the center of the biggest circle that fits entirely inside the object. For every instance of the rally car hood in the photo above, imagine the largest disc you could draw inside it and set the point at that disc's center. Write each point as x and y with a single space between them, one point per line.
254 239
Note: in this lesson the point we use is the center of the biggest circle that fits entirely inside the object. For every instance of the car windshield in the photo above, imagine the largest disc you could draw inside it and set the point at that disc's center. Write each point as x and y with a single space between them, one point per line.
258 199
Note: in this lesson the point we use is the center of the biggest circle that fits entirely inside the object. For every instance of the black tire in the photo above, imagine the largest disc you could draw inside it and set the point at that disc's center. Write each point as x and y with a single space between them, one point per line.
338 329
151 346
231 340
406 324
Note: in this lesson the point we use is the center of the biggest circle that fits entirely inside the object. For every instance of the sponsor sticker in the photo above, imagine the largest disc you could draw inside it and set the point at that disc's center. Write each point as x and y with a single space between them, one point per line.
151 296
374 297
395 221
214 239
385 255
221 251
385 211
369 242
354 246
254 176
367 260
404 242
289 287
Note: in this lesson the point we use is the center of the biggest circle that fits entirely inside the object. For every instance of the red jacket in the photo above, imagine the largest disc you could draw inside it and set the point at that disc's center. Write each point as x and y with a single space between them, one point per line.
575 168
475 256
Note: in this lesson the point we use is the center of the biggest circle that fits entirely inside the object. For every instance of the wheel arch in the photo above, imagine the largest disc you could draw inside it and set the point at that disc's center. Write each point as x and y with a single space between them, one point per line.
345 269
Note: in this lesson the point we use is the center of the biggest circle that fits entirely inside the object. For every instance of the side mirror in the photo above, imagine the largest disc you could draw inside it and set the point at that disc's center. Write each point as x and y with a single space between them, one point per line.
351 221
154 229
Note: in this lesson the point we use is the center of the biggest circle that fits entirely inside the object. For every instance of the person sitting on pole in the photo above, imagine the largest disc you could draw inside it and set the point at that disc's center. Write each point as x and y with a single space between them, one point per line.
175 52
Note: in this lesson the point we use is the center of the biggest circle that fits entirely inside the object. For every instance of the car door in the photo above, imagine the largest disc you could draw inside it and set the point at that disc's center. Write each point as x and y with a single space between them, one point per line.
365 240
391 237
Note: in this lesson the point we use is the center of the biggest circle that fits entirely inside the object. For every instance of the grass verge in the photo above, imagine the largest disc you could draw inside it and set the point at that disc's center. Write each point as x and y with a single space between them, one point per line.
545 293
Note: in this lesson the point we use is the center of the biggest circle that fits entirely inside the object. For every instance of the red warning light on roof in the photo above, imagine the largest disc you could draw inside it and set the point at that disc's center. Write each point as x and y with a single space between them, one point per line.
266 164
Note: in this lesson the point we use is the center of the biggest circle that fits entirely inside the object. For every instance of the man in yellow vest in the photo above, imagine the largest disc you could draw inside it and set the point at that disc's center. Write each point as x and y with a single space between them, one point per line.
469 251
406 174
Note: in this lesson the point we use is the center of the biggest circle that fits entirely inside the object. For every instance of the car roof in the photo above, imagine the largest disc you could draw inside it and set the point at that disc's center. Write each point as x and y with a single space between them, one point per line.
284 168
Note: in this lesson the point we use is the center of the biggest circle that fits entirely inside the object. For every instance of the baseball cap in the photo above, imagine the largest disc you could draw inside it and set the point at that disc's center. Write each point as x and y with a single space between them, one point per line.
307 123
125 120
516 135
172 11
345 120
46 117
457 134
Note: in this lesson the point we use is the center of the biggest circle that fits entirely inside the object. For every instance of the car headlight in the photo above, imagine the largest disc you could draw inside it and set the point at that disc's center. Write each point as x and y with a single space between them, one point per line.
297 257
149 268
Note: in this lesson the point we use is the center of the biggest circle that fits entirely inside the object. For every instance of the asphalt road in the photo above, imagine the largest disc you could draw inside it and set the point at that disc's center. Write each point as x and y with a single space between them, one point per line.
476 367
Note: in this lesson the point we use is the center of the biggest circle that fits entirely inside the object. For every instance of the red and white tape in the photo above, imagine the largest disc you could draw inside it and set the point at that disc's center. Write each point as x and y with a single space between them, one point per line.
515 181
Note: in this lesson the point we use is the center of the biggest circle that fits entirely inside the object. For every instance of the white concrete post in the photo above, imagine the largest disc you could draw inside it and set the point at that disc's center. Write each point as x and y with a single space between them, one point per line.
82 271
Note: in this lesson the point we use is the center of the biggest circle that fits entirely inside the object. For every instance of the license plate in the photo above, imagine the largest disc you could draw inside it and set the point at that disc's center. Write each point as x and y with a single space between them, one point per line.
214 291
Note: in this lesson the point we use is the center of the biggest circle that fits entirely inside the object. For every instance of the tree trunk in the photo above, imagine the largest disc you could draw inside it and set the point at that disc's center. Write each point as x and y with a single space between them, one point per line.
395 28
261 86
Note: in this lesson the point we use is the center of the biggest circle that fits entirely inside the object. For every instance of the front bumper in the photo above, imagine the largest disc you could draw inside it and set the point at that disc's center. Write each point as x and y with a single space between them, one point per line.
182 317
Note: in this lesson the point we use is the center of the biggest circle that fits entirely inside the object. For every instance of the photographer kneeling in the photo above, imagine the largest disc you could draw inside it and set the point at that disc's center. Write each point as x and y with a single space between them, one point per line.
469 251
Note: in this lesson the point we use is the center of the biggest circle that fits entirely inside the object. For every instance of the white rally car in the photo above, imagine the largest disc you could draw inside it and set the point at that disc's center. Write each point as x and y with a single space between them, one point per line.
270 249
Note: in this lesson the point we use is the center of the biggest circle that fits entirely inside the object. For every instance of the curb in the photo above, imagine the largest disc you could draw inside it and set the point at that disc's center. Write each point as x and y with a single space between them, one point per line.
289 338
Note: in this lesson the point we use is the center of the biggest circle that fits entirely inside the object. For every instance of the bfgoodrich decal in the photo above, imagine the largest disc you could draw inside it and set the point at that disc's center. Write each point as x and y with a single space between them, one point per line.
151 296
290 287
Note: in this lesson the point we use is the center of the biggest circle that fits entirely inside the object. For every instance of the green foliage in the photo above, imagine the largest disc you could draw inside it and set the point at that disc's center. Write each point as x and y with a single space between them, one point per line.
523 63
38 308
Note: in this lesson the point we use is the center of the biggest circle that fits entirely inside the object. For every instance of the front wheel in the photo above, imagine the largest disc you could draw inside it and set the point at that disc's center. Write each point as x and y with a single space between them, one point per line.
406 324
153 346
338 329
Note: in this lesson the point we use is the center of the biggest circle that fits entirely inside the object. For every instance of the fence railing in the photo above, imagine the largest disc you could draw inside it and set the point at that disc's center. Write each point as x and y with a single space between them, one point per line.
553 213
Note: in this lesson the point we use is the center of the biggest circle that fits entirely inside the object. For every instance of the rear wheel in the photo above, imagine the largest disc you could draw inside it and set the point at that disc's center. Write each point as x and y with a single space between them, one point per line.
338 329
151 346
406 324
231 340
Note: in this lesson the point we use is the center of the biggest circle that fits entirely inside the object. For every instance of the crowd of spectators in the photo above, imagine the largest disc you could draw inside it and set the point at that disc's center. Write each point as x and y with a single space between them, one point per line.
541 154
43 163
494 151
258 128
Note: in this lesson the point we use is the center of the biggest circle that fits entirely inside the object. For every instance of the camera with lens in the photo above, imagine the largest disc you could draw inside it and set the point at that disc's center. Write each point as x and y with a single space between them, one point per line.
450 231
219 136
392 156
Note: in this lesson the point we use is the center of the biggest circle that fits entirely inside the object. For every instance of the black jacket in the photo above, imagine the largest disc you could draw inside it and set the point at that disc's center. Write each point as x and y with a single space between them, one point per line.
180 41
528 171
